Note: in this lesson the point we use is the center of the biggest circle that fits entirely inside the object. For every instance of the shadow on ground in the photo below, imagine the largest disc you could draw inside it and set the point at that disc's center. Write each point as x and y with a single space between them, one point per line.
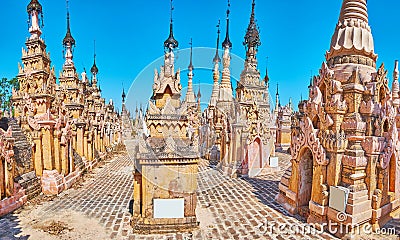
266 188
10 228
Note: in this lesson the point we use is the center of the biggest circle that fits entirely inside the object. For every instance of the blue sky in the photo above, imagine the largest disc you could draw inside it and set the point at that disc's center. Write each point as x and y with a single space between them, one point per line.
129 37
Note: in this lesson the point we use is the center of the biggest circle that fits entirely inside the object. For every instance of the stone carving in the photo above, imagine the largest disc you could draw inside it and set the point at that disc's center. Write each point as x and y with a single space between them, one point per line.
351 118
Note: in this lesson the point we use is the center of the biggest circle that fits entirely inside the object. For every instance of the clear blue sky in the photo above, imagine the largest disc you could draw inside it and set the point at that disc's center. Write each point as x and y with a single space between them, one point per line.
129 36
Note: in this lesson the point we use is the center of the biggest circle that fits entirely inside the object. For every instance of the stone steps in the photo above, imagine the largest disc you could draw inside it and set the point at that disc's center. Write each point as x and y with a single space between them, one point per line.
22 148
31 183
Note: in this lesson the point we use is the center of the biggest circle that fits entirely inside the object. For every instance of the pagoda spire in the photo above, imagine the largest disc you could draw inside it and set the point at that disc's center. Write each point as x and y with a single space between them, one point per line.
266 78
227 42
252 41
94 70
171 43
216 60
190 98
123 96
35 21
252 37
68 41
277 101
395 84
199 100
353 35
225 90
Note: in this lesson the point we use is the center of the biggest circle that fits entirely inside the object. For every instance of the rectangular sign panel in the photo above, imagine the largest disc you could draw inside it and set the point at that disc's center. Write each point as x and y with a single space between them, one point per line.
169 208
338 198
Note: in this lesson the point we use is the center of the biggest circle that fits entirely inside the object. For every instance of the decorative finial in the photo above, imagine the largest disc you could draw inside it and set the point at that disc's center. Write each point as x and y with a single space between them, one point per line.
68 41
123 95
227 43
94 70
266 79
252 37
217 59
35 10
311 82
199 93
171 42
191 55
277 89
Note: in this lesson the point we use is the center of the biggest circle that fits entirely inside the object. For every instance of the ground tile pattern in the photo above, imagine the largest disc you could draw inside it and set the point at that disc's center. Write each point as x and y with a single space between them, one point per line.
228 208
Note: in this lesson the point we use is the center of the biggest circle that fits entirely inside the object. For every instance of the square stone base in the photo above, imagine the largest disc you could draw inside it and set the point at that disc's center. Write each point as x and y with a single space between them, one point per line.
162 226
53 183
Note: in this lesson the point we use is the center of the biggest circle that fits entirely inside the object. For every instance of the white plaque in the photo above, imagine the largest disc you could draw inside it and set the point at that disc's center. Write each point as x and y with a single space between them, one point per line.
169 208
338 198
274 162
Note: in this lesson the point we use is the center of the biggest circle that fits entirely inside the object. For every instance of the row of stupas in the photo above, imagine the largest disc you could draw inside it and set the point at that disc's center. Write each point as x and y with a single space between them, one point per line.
239 133
58 130
345 167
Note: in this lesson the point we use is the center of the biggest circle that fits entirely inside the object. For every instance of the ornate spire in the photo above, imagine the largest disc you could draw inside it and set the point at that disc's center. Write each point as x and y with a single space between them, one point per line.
199 94
124 96
311 81
34 10
266 78
217 59
227 43
190 97
252 37
190 67
68 39
225 89
171 43
395 84
277 101
199 100
94 70
353 34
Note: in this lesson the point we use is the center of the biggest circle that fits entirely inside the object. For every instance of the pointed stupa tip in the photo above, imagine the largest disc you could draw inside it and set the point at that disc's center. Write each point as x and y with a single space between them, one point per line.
217 59
266 78
277 89
354 9
311 82
171 43
252 37
353 19
68 39
190 67
396 70
123 95
94 70
199 94
227 42
34 5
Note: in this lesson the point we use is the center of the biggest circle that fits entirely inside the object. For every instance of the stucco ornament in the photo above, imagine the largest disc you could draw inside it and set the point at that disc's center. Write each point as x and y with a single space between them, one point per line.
307 137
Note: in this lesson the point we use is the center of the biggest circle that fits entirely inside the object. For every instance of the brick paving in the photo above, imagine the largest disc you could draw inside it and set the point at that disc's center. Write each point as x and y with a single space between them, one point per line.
227 208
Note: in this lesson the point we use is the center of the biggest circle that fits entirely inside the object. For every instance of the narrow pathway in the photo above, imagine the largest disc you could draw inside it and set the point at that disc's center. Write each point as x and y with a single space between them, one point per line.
105 198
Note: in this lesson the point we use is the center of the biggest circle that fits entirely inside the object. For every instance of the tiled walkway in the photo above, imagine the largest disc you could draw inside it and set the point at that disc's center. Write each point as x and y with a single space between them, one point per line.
227 208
